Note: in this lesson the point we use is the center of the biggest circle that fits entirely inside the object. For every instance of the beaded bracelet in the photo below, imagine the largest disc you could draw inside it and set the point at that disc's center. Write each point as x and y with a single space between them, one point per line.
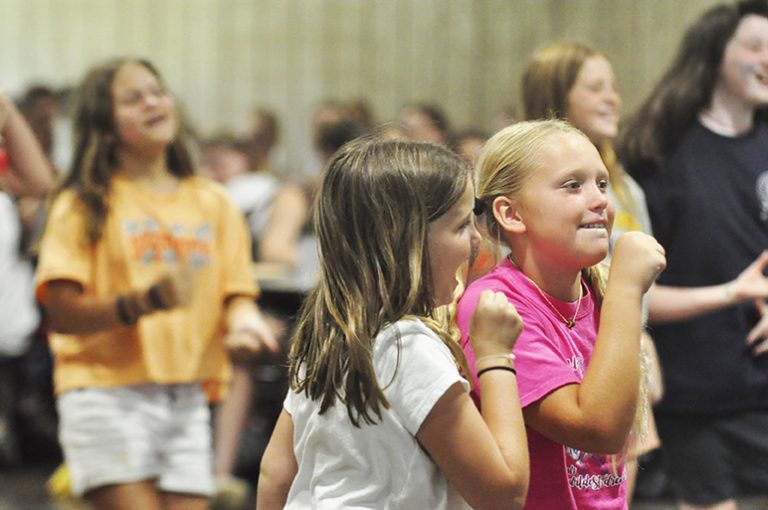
510 357
122 311
155 299
497 367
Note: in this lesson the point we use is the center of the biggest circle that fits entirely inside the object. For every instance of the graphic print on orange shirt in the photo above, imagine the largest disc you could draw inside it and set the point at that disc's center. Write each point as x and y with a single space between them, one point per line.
149 243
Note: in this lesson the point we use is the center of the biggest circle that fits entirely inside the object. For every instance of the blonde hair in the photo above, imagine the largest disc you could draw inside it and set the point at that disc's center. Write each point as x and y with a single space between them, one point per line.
548 78
375 203
508 159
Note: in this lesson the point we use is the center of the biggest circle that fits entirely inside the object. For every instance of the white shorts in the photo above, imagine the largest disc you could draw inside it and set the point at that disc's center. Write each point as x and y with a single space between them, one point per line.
136 433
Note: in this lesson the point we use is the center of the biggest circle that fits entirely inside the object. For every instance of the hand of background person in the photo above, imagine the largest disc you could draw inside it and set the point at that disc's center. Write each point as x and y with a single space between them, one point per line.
752 282
495 325
249 332
637 259
757 338
176 287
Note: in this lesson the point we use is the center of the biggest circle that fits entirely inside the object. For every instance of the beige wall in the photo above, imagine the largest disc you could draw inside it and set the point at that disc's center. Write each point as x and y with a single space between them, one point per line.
222 57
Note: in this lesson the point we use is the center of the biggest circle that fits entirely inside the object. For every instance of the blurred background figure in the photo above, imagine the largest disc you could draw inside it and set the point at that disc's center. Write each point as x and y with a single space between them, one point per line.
333 126
40 107
262 142
24 172
359 110
425 123
48 112
276 213
503 118
467 144
223 157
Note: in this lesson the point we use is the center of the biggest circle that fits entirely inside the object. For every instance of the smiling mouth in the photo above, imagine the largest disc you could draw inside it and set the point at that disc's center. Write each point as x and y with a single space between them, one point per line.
593 226
157 120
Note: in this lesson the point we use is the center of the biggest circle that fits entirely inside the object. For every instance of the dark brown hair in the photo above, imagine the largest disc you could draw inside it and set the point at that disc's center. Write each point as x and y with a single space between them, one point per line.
375 203
654 130
96 141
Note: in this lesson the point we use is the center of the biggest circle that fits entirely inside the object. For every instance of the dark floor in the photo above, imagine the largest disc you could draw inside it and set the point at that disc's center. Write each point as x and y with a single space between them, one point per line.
23 488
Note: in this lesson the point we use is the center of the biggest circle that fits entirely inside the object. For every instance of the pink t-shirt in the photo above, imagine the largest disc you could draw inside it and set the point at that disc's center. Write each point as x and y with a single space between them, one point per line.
549 356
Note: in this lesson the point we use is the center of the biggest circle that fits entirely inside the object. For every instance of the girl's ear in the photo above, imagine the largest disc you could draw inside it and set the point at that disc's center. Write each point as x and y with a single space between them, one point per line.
507 215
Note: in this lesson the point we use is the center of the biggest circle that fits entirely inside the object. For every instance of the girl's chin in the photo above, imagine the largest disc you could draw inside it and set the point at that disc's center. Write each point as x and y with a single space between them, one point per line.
596 257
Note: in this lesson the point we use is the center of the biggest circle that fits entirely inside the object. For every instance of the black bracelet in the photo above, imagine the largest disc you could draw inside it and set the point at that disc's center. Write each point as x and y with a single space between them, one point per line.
498 367
122 311
155 299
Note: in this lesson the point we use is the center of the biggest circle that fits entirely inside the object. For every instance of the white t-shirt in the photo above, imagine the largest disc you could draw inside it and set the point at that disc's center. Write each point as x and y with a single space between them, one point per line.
18 312
377 466
253 193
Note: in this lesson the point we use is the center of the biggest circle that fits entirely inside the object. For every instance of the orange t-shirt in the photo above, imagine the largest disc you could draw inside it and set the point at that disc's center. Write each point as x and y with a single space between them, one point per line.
144 234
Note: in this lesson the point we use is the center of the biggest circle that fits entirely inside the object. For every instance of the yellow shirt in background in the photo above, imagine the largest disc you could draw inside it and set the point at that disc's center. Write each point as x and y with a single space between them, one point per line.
145 234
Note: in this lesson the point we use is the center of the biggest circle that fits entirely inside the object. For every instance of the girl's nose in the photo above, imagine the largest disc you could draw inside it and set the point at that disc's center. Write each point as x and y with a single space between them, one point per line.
613 97
151 99
598 199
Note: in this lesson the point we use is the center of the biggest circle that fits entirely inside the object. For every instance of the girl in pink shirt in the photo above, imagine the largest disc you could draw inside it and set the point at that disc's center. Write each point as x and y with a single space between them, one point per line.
545 191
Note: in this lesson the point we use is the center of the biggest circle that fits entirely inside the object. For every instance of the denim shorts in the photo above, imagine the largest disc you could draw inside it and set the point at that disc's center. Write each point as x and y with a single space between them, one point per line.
137 433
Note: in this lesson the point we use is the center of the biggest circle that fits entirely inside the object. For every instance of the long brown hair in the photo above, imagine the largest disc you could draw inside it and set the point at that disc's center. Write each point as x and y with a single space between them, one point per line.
96 140
375 203
654 130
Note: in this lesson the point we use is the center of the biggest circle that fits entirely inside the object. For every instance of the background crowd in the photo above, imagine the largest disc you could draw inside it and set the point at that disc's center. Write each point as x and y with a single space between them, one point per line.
687 166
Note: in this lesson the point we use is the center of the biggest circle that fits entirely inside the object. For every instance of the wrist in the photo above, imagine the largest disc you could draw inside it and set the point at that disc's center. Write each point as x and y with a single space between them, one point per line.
124 312
497 368
130 307
624 290
241 311
494 360
729 289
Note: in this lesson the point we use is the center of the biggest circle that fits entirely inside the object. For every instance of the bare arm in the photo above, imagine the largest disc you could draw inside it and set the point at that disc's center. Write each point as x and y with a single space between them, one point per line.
667 304
597 414
484 457
30 173
287 219
72 311
247 331
278 466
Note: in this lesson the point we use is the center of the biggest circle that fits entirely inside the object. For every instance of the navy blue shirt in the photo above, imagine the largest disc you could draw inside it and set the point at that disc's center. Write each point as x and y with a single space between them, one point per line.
709 209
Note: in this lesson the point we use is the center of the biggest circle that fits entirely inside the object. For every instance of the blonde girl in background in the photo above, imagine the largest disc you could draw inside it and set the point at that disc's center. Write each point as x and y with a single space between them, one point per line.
144 268
545 192
378 414
576 82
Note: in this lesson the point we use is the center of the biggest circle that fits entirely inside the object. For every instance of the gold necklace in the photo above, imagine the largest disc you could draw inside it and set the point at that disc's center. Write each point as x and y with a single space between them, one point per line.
569 323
